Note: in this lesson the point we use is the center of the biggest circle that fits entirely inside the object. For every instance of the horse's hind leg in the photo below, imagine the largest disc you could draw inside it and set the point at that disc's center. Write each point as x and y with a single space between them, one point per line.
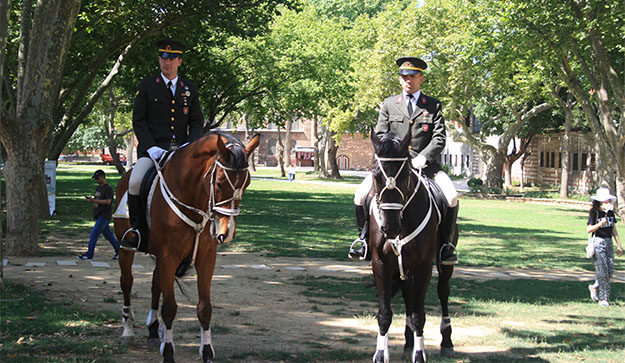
126 258
444 275
205 266
152 321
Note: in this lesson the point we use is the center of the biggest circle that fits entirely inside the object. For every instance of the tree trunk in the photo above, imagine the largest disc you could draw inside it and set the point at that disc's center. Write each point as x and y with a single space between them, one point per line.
323 171
315 144
130 147
109 127
494 164
24 173
249 133
280 153
331 159
287 143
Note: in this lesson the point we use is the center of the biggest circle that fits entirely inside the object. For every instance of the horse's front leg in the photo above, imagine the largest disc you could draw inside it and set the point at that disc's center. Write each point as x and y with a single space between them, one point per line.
152 320
382 276
205 266
444 275
126 279
166 270
414 292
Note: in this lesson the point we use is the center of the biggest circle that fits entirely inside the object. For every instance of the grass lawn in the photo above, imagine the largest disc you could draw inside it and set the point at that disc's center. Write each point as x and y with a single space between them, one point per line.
532 320
317 220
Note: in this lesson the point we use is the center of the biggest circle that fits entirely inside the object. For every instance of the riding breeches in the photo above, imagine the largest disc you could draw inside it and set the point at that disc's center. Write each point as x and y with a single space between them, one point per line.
441 178
136 177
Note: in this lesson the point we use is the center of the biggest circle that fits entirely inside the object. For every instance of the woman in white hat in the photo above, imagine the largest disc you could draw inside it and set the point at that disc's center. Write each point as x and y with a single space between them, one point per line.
601 223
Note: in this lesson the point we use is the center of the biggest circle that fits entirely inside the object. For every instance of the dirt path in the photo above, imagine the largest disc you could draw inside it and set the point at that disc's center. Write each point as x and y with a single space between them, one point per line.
257 304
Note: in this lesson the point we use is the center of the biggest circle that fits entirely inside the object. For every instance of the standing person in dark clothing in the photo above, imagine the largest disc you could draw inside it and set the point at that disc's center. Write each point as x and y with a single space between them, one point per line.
102 213
166 114
602 224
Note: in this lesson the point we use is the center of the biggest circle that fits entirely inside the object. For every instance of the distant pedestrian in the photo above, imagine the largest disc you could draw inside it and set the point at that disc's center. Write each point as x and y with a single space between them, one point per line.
291 172
102 213
601 224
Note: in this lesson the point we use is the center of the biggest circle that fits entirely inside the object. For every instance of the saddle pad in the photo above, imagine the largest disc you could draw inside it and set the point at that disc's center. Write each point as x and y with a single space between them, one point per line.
122 208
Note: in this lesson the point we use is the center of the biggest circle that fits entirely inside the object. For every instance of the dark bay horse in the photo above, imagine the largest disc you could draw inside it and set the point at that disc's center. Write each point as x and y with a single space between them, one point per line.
194 207
404 236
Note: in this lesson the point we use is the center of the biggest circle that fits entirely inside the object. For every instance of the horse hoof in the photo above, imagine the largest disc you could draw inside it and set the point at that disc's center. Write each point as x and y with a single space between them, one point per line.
379 357
419 357
207 353
154 343
168 353
128 340
447 352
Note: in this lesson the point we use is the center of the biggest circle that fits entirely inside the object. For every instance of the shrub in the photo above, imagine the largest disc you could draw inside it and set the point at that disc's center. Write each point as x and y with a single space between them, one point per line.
475 184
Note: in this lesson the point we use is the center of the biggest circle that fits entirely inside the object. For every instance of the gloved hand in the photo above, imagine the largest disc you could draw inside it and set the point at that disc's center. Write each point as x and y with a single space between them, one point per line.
156 152
419 162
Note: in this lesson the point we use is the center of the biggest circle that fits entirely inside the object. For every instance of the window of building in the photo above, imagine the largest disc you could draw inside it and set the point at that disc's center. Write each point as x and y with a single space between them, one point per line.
593 162
584 160
559 160
542 159
575 161
553 159
546 159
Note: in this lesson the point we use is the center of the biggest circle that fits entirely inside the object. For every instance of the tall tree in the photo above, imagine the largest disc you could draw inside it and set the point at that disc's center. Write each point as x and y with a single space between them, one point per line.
45 34
583 41
64 58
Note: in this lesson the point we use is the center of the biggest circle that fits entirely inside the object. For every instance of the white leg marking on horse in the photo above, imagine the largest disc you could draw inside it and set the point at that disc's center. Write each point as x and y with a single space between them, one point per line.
445 322
152 316
206 339
127 319
419 346
382 344
167 336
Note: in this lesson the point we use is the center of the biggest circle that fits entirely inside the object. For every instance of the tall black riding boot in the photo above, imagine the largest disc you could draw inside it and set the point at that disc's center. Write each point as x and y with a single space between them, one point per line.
358 250
137 220
446 247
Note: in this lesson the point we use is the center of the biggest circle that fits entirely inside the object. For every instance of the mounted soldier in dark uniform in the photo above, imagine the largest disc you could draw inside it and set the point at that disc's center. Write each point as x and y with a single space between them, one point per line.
421 114
166 115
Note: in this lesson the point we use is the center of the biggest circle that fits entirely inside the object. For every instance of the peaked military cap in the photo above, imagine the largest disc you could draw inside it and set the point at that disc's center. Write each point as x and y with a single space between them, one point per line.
168 48
411 65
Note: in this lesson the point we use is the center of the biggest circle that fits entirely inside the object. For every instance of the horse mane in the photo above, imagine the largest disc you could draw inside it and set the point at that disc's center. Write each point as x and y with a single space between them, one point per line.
238 157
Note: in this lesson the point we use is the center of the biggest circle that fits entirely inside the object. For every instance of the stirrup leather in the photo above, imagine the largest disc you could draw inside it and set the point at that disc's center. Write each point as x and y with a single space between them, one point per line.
364 244
136 231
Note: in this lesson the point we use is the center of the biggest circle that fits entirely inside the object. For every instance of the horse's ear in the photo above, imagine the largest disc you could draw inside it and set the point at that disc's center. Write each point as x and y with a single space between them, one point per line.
254 142
223 150
405 143
374 139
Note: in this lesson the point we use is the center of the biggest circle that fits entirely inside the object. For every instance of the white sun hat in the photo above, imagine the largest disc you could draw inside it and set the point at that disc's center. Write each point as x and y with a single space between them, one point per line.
603 194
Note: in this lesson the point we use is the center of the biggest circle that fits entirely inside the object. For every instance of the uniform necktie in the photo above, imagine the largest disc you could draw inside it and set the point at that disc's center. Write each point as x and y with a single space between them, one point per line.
171 89
410 105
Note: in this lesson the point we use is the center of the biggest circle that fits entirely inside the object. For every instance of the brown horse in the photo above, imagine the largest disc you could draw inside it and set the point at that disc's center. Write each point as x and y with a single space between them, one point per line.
404 231
194 207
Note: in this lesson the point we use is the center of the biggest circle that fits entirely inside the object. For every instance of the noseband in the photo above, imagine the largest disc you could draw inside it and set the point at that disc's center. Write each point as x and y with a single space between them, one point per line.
391 184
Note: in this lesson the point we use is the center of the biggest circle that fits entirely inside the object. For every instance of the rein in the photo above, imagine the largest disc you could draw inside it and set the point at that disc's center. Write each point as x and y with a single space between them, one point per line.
398 243
213 206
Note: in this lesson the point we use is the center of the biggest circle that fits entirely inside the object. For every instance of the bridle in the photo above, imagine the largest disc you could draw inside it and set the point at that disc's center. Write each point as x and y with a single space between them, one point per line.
214 206
391 184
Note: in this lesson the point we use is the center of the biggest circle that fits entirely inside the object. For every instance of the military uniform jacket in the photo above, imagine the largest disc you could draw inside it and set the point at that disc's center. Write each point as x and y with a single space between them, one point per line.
426 124
157 116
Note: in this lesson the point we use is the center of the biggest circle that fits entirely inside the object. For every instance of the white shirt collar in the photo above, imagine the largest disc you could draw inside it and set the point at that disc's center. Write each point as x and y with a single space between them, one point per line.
174 81
416 95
